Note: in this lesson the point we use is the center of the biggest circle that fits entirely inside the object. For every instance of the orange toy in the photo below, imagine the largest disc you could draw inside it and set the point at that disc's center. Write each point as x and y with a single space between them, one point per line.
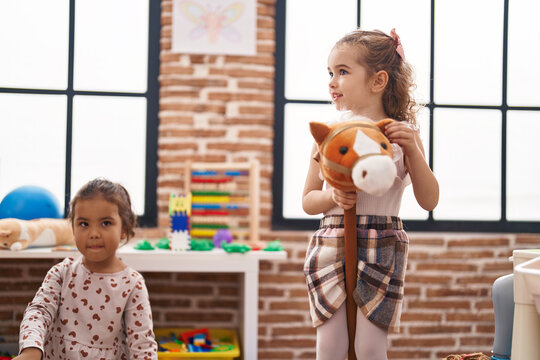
354 155
16 234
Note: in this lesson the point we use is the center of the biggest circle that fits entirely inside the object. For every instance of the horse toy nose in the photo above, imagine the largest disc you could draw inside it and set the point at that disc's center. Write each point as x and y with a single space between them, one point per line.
374 175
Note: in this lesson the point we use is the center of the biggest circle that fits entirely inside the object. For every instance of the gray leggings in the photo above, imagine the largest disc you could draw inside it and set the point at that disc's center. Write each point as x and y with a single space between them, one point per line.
503 305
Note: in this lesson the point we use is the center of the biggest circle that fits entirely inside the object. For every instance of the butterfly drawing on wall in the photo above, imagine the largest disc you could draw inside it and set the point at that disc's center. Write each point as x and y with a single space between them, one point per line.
213 21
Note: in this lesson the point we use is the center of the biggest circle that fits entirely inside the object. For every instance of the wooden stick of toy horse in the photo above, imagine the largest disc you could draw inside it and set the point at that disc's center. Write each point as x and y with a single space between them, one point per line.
354 156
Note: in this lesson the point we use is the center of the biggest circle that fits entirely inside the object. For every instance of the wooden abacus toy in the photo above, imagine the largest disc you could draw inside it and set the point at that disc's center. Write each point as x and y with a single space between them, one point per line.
223 196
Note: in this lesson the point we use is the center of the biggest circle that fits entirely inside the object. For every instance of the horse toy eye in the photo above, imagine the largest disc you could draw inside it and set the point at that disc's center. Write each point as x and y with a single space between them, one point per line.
384 146
343 150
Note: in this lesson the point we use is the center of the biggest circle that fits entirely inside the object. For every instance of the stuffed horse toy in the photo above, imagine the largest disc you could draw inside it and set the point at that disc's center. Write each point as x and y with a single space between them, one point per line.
354 156
18 234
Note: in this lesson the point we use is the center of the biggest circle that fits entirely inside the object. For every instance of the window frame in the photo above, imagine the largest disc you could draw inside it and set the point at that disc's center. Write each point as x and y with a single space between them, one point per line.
149 217
279 222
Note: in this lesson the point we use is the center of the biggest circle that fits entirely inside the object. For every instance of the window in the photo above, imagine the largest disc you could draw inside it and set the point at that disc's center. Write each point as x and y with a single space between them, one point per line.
481 109
79 97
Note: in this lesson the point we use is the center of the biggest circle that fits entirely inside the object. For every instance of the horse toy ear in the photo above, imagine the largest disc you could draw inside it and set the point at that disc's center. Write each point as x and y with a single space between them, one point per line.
381 124
319 131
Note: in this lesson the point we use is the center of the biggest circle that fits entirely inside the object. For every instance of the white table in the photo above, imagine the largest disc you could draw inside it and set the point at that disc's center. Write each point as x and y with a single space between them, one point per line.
216 260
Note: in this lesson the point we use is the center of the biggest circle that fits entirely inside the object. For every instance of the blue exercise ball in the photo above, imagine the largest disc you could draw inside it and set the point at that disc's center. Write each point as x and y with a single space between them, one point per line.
30 202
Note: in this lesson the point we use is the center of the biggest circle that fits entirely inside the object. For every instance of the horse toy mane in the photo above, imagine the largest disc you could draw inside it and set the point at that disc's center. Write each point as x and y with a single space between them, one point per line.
355 155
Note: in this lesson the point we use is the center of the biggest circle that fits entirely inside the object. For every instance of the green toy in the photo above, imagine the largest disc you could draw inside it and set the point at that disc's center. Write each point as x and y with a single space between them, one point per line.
235 247
274 246
202 245
143 245
163 243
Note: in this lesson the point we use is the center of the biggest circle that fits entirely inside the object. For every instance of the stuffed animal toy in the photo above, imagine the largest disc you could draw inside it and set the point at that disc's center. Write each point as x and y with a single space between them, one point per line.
354 155
18 234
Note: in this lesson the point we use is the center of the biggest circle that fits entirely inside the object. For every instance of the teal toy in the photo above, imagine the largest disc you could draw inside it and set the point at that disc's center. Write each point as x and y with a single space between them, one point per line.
274 246
235 247
202 245
163 243
143 245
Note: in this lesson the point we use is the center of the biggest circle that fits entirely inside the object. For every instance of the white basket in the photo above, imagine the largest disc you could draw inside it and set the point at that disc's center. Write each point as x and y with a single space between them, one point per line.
530 270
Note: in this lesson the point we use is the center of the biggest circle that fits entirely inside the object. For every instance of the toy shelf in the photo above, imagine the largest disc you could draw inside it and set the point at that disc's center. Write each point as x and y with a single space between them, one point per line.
224 195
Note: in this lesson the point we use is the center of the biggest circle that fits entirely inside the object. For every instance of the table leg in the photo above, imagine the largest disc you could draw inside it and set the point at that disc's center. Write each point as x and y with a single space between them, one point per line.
249 326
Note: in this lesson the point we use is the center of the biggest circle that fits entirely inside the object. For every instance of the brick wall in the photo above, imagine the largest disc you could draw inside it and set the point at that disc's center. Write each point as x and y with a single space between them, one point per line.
447 308
216 109
220 108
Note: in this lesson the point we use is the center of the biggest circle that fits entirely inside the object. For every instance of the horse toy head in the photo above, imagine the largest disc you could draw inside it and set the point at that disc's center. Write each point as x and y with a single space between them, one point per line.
355 155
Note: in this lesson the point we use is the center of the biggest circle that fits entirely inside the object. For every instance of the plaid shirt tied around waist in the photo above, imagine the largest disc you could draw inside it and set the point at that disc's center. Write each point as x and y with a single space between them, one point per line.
382 261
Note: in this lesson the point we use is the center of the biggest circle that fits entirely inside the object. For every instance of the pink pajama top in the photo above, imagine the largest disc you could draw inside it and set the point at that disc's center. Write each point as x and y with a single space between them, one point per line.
78 314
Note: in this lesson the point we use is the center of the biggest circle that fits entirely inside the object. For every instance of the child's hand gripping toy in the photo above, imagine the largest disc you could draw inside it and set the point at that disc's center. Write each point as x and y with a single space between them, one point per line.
18 234
354 156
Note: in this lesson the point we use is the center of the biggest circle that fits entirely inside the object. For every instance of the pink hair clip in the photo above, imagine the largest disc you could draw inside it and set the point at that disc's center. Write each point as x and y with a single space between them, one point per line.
399 47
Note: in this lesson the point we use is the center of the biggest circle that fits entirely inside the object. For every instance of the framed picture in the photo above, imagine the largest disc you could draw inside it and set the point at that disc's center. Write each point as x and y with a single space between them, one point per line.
214 27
